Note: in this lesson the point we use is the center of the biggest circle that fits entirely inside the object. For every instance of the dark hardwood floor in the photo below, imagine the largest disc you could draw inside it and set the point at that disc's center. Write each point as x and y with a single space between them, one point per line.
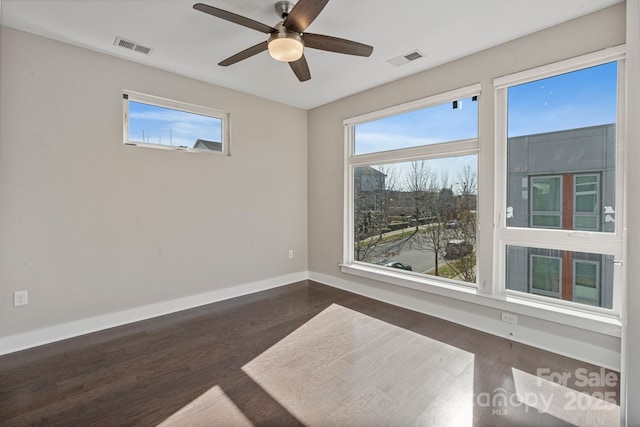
303 354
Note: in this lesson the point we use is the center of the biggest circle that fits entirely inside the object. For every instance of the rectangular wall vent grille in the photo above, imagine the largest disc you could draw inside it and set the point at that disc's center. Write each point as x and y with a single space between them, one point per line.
131 45
413 56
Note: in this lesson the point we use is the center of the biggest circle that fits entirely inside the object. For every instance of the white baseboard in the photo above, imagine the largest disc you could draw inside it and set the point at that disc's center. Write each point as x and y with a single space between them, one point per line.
565 346
63 331
580 350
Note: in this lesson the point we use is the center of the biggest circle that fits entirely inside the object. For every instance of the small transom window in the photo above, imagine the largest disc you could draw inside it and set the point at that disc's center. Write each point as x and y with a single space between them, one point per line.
155 122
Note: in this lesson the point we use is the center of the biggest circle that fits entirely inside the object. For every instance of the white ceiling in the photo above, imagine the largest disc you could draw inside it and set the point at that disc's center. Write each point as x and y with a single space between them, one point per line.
191 43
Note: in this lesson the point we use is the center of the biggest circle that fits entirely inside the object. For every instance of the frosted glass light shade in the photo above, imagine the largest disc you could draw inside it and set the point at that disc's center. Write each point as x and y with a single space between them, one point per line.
285 49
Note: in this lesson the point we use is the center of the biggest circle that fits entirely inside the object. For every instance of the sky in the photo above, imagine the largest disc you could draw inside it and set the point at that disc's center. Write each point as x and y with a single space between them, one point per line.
159 125
582 98
579 99
568 101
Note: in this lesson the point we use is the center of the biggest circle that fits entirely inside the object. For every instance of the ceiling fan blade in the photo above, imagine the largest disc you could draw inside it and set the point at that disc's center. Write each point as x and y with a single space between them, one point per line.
236 19
335 44
301 69
303 14
247 53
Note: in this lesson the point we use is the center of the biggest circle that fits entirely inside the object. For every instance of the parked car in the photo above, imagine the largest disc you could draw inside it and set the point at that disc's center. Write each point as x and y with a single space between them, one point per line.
399 265
452 223
457 249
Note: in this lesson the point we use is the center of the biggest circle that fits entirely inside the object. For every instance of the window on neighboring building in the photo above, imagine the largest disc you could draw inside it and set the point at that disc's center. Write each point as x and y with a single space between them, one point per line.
546 201
413 188
586 282
559 232
155 122
586 202
545 275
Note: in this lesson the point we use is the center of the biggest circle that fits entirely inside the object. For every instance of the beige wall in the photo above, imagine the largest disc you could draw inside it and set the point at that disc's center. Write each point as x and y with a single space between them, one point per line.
593 32
90 227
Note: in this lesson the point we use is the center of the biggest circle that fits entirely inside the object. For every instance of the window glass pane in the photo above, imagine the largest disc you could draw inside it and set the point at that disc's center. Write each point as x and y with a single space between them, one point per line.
574 100
583 278
432 125
418 216
565 126
151 124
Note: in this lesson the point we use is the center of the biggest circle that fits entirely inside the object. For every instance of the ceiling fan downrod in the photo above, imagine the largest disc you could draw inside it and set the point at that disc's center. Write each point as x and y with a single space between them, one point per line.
283 8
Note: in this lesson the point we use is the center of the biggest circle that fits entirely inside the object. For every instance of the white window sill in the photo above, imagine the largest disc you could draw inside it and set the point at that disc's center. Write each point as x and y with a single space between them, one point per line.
594 322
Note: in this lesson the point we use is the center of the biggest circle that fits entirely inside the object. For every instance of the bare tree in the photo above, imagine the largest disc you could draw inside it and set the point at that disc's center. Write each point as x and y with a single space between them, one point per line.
463 265
418 181
435 237
426 184
468 184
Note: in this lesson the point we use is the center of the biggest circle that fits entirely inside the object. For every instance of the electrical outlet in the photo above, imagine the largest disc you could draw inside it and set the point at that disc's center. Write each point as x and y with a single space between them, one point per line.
510 318
290 253
20 298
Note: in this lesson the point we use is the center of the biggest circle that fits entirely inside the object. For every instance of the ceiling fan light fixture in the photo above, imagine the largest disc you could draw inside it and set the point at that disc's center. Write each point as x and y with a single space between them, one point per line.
285 46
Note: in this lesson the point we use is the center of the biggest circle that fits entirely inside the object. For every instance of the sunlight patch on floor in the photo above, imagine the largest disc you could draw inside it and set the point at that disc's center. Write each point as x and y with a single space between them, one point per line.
346 368
213 406
574 407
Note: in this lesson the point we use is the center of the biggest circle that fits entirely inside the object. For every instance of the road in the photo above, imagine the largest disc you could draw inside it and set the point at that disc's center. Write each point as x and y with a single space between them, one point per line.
420 260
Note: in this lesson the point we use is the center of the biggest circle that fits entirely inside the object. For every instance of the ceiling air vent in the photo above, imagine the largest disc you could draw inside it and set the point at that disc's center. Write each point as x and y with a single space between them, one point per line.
407 57
128 44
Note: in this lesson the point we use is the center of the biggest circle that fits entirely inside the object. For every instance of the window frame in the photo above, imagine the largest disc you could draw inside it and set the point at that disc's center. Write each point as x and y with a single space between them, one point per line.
185 107
491 217
426 152
596 242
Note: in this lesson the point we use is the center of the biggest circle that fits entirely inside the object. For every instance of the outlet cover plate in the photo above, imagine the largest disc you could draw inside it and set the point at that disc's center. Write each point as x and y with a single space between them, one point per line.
510 318
20 298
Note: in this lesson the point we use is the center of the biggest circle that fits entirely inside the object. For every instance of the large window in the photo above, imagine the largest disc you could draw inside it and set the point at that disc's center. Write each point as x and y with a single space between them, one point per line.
412 189
155 122
559 237
411 192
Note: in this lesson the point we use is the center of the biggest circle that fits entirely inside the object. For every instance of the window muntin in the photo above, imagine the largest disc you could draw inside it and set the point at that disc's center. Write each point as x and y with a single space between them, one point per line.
412 195
162 123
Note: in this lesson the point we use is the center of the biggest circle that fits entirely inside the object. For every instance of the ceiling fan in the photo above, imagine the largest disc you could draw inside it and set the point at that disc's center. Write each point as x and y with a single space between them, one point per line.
287 38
